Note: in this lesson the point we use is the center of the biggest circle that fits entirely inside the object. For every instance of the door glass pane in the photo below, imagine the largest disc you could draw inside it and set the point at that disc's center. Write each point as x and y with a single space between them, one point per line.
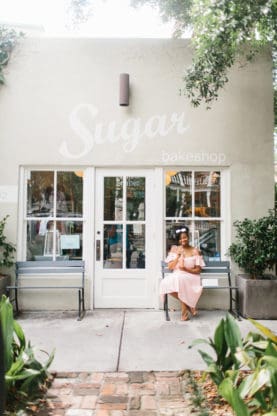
135 193
209 239
40 194
207 194
178 194
135 246
70 194
113 250
113 192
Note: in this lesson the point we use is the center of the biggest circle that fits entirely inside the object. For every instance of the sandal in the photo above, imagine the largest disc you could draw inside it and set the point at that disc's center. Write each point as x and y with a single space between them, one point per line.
193 311
185 316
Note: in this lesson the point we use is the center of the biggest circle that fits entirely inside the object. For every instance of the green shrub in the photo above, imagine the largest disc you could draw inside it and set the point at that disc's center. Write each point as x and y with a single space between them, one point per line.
245 370
25 377
255 248
6 249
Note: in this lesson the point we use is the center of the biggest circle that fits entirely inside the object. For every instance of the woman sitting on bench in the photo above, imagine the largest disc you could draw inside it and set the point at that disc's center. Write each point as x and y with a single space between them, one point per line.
184 283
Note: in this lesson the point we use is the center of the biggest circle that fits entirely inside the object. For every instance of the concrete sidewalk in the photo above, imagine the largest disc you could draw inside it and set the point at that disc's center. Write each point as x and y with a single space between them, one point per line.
116 340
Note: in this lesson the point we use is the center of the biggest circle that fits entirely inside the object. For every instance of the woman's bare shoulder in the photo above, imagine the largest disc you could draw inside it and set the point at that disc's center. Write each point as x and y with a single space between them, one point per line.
196 251
173 249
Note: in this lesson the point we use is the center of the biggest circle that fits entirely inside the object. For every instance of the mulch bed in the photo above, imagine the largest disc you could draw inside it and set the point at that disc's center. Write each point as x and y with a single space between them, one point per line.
206 390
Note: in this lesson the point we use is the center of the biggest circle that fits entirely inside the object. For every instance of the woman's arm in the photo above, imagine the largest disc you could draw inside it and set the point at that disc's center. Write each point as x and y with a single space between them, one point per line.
193 270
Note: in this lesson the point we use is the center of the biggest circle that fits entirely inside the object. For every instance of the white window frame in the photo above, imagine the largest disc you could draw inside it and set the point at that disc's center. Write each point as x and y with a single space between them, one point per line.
225 205
24 172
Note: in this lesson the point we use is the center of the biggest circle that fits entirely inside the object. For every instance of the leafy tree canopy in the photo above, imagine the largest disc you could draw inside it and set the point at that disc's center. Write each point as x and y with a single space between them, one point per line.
223 31
8 40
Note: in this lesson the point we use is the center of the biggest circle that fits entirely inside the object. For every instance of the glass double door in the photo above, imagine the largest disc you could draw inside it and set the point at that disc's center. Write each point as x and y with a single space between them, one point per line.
124 239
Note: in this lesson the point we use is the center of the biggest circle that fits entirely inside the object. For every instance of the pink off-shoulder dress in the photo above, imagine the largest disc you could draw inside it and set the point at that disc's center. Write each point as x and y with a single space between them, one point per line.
187 285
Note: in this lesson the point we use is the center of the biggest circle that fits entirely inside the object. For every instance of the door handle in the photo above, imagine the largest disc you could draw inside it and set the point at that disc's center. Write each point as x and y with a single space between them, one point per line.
98 250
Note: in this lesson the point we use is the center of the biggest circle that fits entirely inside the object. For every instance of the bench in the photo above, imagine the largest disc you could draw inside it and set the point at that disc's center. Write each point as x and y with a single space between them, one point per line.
28 268
212 268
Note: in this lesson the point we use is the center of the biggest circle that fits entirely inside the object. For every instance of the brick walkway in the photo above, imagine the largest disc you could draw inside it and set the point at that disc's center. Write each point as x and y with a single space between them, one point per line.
118 394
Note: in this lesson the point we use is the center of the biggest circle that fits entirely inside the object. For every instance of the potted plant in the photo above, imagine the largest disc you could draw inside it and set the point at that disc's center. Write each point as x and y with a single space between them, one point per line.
7 250
255 252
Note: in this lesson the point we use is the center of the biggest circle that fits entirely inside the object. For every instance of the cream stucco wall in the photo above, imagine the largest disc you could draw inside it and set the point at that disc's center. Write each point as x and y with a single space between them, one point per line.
60 107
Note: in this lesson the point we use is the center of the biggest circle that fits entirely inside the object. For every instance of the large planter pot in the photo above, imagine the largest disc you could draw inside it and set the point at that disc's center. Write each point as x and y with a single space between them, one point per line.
257 298
4 282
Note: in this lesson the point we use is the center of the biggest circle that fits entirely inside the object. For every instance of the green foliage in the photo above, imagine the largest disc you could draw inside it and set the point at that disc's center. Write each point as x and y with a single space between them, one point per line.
245 370
8 39
25 377
7 249
78 12
177 10
198 400
225 343
223 32
255 249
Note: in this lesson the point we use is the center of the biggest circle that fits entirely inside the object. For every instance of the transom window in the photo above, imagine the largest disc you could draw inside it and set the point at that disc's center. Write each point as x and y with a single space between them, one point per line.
54 215
193 198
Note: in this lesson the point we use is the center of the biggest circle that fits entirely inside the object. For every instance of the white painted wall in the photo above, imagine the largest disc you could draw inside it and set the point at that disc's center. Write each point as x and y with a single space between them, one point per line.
60 92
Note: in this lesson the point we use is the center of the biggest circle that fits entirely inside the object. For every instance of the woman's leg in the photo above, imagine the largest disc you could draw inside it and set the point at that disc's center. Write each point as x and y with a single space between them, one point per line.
184 312
184 309
174 294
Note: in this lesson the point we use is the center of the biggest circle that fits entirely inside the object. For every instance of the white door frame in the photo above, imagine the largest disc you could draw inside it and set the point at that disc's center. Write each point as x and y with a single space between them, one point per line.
134 287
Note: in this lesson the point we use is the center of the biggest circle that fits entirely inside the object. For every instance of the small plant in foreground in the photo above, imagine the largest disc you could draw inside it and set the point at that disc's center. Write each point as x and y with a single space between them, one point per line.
245 370
197 399
26 379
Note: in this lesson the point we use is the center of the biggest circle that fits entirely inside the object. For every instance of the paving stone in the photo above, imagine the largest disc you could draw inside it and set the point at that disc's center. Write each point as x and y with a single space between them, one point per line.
112 406
136 377
148 402
119 394
108 389
142 413
113 399
62 374
79 412
134 403
89 402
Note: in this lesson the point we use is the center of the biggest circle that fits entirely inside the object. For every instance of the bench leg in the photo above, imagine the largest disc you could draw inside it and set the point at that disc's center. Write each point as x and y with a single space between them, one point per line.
81 304
167 317
233 311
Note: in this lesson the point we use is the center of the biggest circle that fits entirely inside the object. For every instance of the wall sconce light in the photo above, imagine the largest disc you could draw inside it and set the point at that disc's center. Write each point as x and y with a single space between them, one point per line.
124 90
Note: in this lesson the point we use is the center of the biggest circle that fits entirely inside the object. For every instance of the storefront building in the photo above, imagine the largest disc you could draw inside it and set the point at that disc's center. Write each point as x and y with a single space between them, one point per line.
83 177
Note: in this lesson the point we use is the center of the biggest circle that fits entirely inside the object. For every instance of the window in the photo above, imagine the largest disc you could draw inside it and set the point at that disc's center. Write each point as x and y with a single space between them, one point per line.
193 198
124 222
54 215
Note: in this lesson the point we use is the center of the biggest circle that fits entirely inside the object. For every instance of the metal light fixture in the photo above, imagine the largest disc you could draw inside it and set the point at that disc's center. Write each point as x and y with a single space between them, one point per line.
124 90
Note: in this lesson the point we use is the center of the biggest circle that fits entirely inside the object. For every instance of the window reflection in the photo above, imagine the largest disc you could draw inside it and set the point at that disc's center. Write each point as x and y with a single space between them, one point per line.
40 193
135 246
69 194
50 196
135 192
178 194
113 250
208 233
47 239
194 194
207 194
113 194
